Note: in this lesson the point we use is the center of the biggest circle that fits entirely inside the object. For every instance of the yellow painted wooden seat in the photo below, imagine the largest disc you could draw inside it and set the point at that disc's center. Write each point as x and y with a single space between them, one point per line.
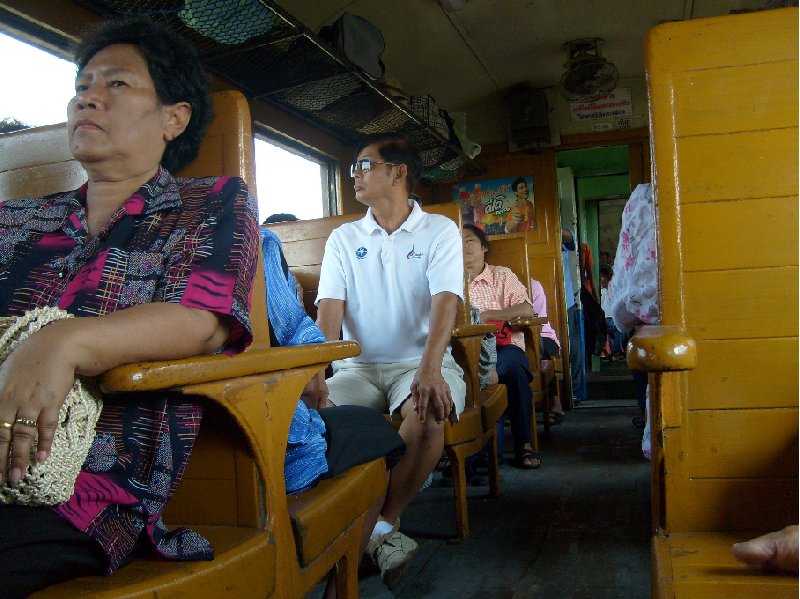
723 364
233 491
316 525
304 246
511 251
700 565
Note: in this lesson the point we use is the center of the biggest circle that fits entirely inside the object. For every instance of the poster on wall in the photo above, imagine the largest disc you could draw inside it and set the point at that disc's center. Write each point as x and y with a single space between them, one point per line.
498 205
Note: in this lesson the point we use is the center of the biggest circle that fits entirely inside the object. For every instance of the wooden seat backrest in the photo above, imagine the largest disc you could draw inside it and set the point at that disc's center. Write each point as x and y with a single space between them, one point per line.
724 120
220 486
511 251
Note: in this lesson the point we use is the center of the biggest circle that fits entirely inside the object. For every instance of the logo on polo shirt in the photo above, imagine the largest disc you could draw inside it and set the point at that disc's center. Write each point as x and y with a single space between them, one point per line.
361 253
413 254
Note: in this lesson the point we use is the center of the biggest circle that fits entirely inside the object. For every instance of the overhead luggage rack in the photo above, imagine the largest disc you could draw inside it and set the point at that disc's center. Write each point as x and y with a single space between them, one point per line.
270 55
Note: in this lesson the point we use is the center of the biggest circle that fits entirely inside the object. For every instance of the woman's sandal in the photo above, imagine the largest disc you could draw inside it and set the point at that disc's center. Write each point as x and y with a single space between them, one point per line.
556 418
527 459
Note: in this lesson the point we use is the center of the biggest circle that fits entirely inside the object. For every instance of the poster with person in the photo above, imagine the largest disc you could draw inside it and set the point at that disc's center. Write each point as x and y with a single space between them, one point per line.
498 205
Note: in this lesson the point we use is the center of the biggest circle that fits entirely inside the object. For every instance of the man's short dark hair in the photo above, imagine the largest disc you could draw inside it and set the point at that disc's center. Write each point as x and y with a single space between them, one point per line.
396 149
481 235
279 217
175 69
516 183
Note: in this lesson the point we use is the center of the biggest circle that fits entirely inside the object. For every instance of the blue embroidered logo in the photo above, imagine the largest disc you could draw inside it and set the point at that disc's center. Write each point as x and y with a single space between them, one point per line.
361 253
413 254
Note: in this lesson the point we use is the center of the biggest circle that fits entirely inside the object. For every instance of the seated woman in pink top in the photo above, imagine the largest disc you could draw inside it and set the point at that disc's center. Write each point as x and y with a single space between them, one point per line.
549 347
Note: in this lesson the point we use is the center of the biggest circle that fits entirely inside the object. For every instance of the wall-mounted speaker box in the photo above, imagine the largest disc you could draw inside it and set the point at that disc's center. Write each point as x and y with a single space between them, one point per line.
528 116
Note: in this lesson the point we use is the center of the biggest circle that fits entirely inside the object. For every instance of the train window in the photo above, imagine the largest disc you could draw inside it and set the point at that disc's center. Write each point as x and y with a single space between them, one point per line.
293 180
37 84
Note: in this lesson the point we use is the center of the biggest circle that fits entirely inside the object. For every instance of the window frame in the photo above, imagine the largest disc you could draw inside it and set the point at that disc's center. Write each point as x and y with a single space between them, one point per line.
329 166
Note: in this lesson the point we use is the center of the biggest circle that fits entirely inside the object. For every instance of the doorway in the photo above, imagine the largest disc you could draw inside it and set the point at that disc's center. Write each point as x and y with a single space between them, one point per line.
594 185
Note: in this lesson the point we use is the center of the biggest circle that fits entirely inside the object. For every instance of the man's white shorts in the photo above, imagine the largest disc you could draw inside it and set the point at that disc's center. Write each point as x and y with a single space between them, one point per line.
384 387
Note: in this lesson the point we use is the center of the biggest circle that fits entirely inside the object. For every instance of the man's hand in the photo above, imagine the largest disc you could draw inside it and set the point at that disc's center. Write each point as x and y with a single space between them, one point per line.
429 390
315 394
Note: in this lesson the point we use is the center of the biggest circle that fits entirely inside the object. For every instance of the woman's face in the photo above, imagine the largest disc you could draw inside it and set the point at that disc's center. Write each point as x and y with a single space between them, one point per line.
522 191
473 250
115 119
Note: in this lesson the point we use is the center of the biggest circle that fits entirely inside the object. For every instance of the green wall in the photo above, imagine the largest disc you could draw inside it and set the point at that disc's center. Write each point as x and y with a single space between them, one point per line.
599 173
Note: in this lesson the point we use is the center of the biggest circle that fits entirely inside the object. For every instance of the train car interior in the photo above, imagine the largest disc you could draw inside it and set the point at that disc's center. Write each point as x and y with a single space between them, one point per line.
542 124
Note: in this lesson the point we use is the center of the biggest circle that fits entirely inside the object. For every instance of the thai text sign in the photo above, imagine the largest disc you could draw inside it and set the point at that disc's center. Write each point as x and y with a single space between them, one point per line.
616 103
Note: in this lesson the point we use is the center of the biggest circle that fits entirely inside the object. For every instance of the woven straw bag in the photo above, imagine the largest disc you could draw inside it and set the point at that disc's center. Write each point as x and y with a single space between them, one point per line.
52 481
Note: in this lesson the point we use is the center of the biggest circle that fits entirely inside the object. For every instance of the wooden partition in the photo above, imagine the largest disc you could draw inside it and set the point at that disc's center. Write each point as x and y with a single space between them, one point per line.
725 129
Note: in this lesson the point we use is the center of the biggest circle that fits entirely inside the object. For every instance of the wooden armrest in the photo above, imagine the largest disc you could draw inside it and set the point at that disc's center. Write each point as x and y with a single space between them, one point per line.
470 330
661 349
527 321
148 376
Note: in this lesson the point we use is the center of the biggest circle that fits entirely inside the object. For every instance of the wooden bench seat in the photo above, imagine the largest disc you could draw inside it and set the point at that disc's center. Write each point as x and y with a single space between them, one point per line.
239 553
700 565
316 527
723 363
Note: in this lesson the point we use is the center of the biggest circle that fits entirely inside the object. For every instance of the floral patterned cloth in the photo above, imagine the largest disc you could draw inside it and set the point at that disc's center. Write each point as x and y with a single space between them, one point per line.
633 291
192 242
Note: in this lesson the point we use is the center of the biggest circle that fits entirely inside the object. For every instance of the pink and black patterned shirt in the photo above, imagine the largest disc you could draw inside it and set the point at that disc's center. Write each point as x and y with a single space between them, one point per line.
192 242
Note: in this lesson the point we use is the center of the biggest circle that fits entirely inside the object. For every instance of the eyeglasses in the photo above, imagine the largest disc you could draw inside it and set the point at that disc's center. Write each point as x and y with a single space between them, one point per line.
365 164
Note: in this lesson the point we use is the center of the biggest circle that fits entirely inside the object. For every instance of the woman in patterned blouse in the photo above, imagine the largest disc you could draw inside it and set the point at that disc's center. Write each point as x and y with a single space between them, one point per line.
153 268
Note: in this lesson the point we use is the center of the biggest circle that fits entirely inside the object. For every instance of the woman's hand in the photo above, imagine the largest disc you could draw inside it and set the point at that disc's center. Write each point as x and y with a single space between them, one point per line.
34 381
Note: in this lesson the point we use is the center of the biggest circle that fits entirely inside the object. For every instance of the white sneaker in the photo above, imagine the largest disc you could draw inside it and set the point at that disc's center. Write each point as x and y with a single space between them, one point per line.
393 556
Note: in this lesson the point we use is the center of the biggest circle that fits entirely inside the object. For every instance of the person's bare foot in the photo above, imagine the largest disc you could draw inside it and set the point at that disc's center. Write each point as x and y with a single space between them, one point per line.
773 551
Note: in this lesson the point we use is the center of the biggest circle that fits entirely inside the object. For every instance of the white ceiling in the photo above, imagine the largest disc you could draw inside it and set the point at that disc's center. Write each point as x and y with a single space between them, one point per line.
468 60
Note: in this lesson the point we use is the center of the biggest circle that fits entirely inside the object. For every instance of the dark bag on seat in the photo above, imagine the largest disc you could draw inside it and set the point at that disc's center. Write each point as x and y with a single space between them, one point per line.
359 41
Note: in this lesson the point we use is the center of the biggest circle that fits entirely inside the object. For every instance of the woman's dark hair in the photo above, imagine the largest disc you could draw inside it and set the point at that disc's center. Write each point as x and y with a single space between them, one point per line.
396 149
176 72
481 235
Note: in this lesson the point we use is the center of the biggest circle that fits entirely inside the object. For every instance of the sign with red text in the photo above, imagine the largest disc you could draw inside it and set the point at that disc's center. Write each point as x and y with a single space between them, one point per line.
614 104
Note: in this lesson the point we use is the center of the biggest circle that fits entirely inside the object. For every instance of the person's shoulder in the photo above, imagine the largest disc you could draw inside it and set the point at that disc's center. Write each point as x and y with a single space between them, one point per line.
503 271
210 184
45 213
347 230
268 238
440 226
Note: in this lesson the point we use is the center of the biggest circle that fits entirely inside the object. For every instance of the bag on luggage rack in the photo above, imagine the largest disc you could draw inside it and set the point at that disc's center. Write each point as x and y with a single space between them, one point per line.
426 108
359 41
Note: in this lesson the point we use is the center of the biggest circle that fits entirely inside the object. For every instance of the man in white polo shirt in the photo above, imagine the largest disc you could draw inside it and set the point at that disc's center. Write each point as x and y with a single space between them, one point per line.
392 281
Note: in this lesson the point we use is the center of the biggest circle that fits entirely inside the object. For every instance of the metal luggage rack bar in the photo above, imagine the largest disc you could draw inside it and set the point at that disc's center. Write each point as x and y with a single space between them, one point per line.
270 55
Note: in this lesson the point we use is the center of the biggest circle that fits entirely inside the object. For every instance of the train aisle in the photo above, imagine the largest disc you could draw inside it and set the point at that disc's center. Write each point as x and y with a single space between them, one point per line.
577 528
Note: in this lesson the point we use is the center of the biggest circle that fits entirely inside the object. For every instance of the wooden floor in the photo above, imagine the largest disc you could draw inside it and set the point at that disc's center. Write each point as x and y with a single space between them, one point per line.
578 527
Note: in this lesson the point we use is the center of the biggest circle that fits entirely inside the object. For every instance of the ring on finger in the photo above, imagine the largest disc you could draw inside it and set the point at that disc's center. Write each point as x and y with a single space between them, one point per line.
6 425
29 422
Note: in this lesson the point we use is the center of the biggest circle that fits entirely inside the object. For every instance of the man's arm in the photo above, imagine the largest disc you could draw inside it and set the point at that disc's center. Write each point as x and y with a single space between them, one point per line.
36 377
429 387
330 316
